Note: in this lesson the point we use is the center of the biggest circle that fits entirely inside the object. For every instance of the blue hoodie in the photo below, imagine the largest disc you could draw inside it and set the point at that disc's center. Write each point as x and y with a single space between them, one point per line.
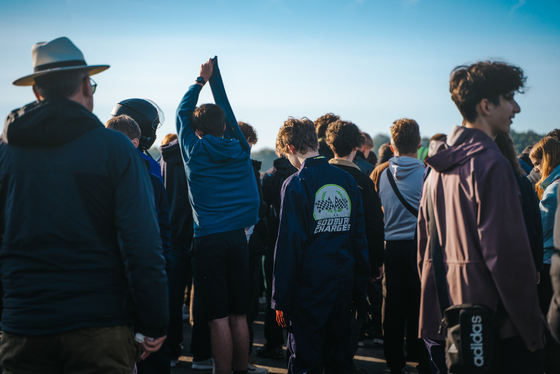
408 173
222 187
548 210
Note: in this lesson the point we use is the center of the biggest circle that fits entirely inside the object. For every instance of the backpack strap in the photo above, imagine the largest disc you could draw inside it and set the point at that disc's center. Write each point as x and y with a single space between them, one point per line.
403 201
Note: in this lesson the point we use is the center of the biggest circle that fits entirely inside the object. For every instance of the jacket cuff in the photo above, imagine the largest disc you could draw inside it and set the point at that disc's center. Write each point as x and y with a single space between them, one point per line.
151 331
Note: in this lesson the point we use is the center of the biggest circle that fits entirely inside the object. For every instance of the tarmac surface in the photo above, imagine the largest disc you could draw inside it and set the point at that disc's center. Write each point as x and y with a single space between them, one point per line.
370 357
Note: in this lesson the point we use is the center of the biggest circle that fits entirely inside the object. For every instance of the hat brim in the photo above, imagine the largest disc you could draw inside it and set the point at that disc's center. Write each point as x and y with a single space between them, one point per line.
29 80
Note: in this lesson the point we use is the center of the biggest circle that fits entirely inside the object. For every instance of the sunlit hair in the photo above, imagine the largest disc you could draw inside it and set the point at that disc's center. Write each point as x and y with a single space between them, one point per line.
168 139
299 133
505 143
323 122
210 119
554 134
126 125
367 140
405 134
548 150
385 153
249 132
343 137
484 80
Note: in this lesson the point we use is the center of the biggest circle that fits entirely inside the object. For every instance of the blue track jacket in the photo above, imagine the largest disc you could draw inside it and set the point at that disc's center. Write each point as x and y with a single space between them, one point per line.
321 245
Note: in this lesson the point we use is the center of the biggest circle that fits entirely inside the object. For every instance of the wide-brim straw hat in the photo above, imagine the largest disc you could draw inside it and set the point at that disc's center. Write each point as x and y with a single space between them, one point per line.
56 56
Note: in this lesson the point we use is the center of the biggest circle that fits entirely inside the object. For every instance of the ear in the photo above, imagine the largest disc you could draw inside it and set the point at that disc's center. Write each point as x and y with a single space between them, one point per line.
392 150
224 128
484 107
291 149
136 142
86 88
36 93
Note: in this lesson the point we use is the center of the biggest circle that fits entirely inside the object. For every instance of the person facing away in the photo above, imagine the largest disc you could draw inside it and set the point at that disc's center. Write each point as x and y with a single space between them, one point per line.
82 268
321 257
344 138
485 247
225 201
362 154
321 125
400 188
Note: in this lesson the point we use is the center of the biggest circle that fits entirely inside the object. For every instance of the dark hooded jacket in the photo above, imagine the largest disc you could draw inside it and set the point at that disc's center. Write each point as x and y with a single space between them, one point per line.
80 239
177 187
486 250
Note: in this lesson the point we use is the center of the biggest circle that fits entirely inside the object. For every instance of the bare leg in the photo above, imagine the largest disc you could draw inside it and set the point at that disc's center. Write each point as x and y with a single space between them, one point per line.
222 345
240 338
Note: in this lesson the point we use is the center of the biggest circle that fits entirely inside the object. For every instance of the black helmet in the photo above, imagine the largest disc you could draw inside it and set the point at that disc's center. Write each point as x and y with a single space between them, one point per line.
146 113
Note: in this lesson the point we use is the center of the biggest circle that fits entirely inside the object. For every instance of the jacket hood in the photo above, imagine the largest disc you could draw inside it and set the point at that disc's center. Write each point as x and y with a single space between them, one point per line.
554 175
171 152
48 123
462 144
283 166
221 150
402 167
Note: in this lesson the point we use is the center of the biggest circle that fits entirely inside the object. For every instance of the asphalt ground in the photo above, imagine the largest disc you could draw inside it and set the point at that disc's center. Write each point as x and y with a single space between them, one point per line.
370 357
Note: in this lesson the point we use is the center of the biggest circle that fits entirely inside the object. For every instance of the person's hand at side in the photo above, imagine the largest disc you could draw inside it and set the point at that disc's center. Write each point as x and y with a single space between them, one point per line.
150 345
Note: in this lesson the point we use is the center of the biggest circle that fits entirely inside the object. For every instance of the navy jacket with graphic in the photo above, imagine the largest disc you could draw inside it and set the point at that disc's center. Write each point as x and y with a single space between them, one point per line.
321 245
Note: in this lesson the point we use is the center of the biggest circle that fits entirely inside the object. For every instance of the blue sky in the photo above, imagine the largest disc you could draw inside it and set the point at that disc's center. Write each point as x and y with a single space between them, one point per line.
370 62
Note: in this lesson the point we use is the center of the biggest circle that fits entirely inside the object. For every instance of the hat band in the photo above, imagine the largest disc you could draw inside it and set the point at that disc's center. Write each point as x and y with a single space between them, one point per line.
60 64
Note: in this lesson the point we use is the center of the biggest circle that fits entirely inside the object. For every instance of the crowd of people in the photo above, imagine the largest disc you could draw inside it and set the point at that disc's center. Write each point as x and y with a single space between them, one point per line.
101 243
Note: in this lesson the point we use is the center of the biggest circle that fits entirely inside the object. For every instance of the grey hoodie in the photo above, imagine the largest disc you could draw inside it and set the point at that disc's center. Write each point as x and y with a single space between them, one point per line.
407 172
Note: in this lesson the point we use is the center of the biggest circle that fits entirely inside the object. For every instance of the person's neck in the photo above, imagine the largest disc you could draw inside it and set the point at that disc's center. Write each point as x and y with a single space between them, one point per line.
412 155
481 125
307 155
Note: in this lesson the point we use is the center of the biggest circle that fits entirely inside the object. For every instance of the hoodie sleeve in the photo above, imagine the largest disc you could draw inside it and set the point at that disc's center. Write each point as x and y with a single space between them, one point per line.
292 234
219 92
506 250
187 137
140 242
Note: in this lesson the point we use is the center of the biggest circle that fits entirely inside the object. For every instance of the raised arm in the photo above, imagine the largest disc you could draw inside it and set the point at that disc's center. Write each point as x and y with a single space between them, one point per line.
187 136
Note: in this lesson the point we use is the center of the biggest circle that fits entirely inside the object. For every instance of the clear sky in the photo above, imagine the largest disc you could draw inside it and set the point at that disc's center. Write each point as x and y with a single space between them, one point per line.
370 62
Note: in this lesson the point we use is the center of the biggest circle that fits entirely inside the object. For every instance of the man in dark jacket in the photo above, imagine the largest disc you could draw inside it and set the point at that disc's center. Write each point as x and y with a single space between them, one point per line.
81 252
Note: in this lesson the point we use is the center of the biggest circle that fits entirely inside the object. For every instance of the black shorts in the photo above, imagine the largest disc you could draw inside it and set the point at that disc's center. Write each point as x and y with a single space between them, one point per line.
221 272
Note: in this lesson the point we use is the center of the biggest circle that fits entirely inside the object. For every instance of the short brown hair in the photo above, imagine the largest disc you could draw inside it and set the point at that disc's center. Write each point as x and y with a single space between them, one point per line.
484 80
300 133
126 125
168 139
210 119
249 132
323 122
367 140
343 137
60 84
405 134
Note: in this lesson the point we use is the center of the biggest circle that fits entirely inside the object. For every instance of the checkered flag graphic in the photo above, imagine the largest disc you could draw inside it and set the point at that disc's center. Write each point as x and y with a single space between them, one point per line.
324 205
340 204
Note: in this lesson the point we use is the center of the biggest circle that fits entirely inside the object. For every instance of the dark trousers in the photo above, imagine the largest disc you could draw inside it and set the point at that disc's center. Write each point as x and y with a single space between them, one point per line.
402 307
201 344
255 264
554 310
312 346
179 277
375 296
89 350
272 332
544 289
